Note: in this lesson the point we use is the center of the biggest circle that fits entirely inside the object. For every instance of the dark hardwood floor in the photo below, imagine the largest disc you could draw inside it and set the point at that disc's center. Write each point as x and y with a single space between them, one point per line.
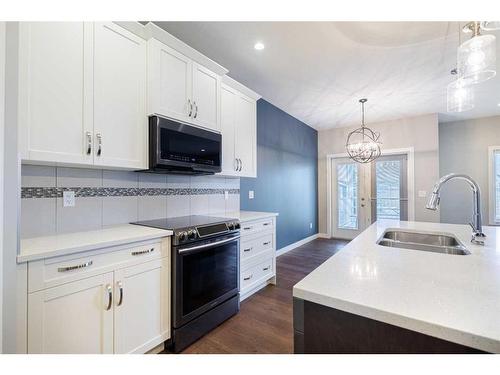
264 323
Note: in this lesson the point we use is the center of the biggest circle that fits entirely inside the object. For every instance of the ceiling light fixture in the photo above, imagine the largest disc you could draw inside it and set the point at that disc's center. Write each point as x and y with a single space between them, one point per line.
476 59
363 144
259 46
490 25
460 96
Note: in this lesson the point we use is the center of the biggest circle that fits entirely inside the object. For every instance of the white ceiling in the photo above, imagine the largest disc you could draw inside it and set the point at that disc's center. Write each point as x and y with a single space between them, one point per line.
317 71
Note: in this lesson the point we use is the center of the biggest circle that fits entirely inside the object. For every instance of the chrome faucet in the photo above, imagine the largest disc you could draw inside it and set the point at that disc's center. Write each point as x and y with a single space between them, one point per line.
477 229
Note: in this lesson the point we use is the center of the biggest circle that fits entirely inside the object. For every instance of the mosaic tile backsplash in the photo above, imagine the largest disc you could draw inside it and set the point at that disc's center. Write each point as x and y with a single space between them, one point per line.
105 197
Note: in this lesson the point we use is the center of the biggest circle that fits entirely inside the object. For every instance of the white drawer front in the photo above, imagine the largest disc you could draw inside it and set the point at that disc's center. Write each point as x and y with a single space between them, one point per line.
254 247
257 226
59 270
256 274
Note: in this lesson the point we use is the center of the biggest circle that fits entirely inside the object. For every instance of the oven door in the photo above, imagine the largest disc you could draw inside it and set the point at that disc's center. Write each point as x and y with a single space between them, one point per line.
181 147
204 275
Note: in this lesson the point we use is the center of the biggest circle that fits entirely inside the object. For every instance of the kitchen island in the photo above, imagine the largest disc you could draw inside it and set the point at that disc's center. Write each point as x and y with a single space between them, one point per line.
369 298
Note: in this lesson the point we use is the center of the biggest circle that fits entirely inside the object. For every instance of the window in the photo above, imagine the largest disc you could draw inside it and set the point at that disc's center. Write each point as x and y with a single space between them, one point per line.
388 189
494 185
347 196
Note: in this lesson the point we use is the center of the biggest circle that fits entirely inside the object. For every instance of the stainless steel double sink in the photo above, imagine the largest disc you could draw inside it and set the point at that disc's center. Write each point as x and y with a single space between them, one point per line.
435 243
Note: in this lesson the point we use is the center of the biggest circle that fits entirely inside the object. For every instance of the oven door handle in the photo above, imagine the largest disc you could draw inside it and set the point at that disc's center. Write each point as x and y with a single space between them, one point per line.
212 244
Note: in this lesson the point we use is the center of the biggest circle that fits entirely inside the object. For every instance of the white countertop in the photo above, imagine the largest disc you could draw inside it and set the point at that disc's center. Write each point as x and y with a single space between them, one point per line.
452 297
68 243
244 216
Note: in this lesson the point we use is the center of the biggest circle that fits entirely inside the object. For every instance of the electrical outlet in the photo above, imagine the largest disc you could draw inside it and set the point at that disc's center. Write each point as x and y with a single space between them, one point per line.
68 198
250 194
310 225
226 195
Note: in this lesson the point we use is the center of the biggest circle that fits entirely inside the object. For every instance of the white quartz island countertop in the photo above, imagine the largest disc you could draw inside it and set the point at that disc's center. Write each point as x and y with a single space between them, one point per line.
245 216
69 243
452 297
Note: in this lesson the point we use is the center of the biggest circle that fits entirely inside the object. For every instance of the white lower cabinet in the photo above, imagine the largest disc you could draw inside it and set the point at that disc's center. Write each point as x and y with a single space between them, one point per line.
125 309
72 318
257 255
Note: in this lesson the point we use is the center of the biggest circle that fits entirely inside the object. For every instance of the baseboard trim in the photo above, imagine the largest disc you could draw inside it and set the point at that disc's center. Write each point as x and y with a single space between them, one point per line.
323 235
294 245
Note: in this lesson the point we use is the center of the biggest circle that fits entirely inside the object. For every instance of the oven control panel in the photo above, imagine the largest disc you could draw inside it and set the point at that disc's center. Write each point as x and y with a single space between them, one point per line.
190 234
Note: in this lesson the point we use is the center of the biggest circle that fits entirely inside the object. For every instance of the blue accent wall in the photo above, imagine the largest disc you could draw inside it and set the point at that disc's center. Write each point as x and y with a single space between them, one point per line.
287 174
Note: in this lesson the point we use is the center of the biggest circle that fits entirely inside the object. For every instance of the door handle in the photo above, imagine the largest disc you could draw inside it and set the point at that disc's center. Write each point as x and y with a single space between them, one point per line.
110 297
120 286
89 143
99 144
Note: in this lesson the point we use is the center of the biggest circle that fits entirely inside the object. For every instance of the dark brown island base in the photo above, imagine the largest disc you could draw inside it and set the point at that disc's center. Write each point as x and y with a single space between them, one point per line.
320 329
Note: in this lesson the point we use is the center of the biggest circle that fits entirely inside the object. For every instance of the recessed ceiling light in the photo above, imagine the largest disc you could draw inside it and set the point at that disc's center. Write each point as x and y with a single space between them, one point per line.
498 104
259 46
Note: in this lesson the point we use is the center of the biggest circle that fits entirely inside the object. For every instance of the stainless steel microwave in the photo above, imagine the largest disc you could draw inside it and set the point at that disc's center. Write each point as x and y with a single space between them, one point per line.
179 148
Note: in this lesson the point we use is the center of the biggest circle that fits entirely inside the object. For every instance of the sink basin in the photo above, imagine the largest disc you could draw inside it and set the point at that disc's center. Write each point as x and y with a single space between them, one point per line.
435 243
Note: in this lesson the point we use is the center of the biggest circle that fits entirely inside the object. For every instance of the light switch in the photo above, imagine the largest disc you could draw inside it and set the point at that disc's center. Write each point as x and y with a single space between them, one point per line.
250 194
226 194
422 193
68 198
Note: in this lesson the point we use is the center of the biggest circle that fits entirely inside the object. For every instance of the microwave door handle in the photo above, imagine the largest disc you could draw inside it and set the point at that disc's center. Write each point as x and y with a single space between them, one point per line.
211 244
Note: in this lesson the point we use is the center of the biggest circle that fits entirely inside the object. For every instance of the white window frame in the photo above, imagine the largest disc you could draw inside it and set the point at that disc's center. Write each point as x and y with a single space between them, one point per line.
491 185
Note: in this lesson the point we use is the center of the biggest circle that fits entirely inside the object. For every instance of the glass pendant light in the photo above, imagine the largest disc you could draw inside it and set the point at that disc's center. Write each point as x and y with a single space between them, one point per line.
460 96
476 57
490 25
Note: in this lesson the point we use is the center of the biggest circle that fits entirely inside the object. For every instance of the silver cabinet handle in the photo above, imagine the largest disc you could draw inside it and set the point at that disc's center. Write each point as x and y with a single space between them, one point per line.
247 250
236 164
247 228
266 224
266 243
99 144
265 269
110 297
241 165
135 253
248 277
196 110
78 266
120 286
190 108
89 142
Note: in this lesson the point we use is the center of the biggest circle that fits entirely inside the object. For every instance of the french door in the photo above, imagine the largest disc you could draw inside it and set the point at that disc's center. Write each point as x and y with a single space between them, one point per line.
363 193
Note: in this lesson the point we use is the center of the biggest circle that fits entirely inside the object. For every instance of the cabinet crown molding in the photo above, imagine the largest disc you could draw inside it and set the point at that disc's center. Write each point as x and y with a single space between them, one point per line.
228 81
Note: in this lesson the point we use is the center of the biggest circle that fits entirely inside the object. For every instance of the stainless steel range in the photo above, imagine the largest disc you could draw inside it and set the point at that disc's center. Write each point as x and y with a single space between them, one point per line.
205 274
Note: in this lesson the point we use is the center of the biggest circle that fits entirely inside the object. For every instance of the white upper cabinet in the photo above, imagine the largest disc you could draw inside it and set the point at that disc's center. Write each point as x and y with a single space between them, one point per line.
120 121
206 88
55 94
180 88
239 133
169 81
82 88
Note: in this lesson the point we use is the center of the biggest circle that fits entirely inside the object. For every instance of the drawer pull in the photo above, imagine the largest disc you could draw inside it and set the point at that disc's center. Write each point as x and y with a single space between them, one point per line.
266 243
266 269
78 266
247 250
110 297
266 224
143 252
247 228
248 278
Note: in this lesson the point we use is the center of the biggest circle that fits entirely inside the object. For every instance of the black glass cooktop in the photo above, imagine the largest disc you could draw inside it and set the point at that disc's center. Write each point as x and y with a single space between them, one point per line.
173 223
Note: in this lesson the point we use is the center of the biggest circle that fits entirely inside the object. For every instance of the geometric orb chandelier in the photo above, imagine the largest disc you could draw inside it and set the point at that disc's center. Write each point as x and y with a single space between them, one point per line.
476 58
363 145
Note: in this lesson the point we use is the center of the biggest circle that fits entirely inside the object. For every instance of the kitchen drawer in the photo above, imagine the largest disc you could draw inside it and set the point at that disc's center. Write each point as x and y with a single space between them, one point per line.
249 248
47 273
256 274
256 226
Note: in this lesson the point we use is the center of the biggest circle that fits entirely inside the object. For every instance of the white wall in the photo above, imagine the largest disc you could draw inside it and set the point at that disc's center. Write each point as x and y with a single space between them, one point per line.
463 148
2 118
420 132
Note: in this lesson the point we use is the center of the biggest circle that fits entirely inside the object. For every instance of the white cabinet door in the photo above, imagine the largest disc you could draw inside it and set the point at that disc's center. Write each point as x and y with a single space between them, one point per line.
142 301
169 82
206 88
246 135
72 318
120 121
55 94
228 100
